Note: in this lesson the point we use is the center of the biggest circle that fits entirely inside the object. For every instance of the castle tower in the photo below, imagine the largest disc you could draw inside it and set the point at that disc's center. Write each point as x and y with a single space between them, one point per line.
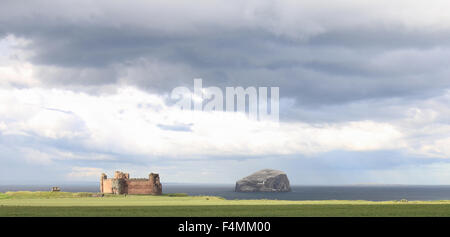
156 184
102 178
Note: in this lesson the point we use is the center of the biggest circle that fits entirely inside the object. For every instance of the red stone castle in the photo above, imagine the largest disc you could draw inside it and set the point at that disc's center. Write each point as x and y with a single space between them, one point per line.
122 184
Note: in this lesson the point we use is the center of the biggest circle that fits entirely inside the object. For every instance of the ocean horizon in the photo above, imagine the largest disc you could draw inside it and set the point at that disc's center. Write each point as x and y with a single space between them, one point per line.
373 192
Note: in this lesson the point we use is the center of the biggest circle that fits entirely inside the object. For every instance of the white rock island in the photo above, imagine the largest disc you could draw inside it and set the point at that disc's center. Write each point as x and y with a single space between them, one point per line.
266 180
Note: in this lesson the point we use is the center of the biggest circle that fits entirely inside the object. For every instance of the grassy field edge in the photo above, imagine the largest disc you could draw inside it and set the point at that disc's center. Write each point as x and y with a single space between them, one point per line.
326 210
60 204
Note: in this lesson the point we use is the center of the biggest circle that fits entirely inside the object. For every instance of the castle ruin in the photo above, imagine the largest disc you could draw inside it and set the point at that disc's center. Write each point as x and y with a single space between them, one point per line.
122 184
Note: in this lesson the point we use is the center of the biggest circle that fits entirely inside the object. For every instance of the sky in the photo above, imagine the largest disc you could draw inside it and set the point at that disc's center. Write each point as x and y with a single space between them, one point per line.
364 86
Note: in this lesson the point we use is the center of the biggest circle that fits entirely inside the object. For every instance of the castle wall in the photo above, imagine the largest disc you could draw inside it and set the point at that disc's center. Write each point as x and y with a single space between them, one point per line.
107 186
119 186
139 186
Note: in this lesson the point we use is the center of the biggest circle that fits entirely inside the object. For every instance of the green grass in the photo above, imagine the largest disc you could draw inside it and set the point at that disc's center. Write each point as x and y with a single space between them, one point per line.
307 210
89 204
175 195
29 194
3 196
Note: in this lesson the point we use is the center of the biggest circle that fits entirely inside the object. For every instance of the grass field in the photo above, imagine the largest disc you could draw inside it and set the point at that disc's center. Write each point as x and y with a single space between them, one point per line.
84 204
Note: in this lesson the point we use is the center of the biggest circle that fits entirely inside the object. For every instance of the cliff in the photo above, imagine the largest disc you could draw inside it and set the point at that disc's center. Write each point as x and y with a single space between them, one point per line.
266 180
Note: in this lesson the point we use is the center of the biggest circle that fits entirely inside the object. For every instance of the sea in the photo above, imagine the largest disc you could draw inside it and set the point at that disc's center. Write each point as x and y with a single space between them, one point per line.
336 192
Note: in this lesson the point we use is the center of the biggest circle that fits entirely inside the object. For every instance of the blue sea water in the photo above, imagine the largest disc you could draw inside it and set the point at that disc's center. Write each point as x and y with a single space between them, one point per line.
353 192
348 192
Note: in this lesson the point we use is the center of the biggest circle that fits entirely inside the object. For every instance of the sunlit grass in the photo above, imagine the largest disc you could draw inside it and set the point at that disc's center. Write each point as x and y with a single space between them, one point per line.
303 210
92 204
25 198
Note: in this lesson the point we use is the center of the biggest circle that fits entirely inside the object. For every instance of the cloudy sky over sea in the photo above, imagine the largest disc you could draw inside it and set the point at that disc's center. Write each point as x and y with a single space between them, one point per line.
364 90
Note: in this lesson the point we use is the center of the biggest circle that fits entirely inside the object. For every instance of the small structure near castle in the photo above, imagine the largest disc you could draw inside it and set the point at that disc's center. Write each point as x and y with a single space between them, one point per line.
55 189
122 184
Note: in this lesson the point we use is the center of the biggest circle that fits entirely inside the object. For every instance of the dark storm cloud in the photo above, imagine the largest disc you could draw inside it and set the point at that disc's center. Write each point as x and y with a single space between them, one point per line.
340 64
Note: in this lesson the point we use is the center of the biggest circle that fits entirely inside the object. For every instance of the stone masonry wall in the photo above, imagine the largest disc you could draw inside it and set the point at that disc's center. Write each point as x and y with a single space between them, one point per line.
107 186
139 186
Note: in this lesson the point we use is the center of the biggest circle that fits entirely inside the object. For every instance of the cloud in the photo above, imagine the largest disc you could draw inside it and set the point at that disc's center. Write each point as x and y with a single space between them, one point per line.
15 71
134 122
345 52
84 172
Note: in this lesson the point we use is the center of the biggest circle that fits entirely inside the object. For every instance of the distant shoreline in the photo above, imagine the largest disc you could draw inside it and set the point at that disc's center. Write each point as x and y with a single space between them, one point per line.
48 195
347 192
